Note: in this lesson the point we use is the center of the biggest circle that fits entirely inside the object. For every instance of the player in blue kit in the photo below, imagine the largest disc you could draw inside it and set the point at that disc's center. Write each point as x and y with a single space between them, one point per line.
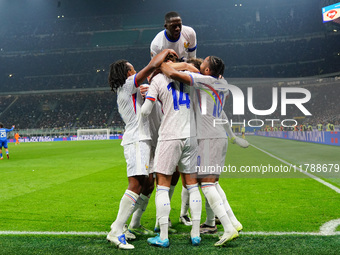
3 139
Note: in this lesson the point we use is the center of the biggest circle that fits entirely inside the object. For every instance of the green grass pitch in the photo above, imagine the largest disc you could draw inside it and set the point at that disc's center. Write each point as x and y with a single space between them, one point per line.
77 186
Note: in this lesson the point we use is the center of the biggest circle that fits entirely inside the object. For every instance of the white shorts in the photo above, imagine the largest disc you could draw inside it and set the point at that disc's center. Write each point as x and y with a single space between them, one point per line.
152 160
211 156
137 156
170 153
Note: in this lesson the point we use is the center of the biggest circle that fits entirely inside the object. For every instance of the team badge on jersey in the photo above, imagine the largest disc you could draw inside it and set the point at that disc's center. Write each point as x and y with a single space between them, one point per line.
186 45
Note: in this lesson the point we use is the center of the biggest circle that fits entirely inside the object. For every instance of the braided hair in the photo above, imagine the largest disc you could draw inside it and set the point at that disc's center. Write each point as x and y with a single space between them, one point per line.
118 74
216 66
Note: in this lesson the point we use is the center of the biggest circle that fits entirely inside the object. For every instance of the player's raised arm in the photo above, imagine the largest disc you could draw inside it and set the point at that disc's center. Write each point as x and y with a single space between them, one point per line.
147 107
183 66
234 139
153 65
172 73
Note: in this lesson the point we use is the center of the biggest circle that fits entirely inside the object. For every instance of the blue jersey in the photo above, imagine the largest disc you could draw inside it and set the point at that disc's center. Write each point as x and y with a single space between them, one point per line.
3 133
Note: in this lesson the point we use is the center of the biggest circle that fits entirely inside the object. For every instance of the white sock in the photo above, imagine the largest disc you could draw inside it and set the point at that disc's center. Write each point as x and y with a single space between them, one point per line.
226 204
141 204
195 203
210 192
163 210
185 201
210 220
126 207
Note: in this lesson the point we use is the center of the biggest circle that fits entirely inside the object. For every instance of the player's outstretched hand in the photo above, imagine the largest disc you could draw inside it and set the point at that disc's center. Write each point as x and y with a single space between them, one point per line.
13 126
240 142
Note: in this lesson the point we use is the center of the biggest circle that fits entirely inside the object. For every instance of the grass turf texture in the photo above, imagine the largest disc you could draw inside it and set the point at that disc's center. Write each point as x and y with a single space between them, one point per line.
178 245
77 186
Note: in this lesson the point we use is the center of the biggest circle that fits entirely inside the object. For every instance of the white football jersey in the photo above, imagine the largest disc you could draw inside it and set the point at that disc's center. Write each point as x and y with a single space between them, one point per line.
211 95
178 121
129 102
155 119
185 46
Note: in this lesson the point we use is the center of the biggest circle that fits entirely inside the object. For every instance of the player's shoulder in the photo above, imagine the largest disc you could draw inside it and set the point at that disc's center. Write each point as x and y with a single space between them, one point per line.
158 38
129 85
159 78
188 30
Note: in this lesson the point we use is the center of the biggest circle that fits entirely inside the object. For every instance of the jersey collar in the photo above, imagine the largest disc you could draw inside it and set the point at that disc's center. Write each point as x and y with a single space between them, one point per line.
166 36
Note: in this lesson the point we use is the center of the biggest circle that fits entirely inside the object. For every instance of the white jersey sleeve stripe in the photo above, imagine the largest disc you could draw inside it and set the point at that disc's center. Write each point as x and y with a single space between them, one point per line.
135 81
151 98
192 80
192 49
134 99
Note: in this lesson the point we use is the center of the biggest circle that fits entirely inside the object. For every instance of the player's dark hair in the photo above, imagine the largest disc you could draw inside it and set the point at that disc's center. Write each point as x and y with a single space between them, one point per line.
1 125
171 57
118 74
216 66
170 15
196 62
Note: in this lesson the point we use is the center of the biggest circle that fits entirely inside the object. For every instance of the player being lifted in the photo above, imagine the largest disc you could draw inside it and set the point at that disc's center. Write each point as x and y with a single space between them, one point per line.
212 140
177 146
124 80
181 39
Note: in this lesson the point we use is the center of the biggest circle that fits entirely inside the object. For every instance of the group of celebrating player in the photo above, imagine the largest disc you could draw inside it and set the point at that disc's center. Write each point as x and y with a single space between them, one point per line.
170 131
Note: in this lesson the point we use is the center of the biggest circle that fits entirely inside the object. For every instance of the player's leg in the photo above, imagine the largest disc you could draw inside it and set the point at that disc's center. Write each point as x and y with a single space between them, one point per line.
135 226
211 194
187 166
1 157
195 204
167 156
162 210
212 153
6 149
209 226
137 157
184 215
237 225
126 208
174 181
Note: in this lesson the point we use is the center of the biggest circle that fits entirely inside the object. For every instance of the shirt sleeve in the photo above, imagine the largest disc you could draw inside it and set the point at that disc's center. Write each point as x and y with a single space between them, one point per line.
192 44
154 47
147 107
130 85
152 93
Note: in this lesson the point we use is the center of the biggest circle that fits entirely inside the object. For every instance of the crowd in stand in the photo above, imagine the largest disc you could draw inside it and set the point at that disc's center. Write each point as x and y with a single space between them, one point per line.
99 109
61 110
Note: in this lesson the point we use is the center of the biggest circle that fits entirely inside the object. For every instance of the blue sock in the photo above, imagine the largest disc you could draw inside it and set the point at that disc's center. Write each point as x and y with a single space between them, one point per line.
0 155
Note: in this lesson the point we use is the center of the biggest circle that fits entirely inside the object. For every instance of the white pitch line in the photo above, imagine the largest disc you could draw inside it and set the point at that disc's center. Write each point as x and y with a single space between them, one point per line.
73 233
336 189
327 229
51 233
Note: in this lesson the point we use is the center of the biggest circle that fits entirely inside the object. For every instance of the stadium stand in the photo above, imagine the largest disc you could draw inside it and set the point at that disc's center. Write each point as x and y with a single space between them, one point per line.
54 71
